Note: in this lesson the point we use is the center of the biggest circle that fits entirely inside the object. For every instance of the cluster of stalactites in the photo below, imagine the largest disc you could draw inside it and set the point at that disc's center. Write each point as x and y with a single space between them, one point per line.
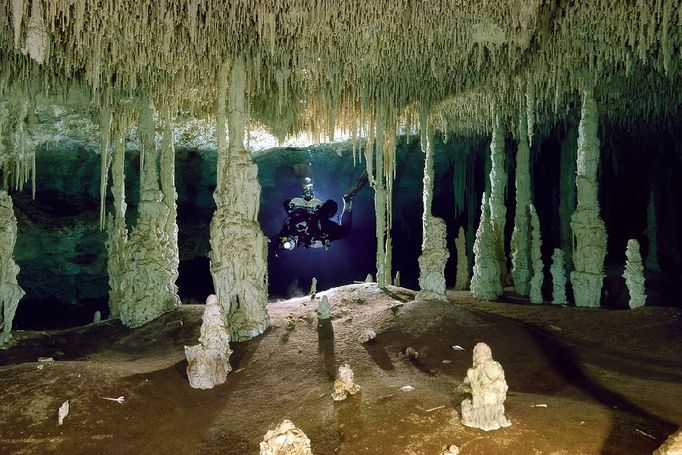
319 68
17 145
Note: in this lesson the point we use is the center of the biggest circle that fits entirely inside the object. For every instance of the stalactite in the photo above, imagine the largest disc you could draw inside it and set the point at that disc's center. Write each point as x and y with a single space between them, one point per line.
117 233
558 277
36 34
148 282
535 292
634 275
498 184
651 234
485 282
567 193
589 233
238 247
10 292
434 248
520 241
462 277
104 133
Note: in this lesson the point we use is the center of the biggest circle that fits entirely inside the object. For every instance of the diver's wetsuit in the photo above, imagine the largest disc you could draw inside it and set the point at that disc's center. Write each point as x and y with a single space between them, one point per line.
310 224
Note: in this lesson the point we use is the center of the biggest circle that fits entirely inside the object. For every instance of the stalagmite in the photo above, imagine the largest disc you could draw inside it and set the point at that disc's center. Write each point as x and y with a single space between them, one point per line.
148 280
285 439
462 277
498 185
634 274
672 445
396 280
369 278
344 385
324 311
434 230
432 261
485 282
313 288
558 277
536 257
651 234
485 409
588 228
238 247
10 292
208 362
520 241
117 233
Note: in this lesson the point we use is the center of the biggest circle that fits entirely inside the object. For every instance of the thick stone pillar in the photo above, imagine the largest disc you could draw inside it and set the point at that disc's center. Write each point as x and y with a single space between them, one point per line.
498 185
10 292
434 248
148 282
238 246
485 282
589 234
521 235
117 232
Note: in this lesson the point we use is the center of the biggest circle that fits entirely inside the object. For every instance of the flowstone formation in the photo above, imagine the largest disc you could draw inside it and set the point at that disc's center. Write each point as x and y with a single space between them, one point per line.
432 261
634 274
558 277
344 385
209 361
10 292
462 277
285 439
589 233
485 409
150 267
520 244
536 257
498 184
238 247
485 283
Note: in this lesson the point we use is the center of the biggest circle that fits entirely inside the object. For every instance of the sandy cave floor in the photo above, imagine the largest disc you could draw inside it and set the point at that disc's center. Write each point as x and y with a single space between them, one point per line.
611 380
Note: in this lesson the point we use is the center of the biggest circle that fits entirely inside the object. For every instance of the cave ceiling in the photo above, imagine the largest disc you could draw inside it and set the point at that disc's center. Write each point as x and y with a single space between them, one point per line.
320 66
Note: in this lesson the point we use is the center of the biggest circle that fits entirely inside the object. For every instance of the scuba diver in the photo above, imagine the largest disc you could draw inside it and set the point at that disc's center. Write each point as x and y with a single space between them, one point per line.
308 223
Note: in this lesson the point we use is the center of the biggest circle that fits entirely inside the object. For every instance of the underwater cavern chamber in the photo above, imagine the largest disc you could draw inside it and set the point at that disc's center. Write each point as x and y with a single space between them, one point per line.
146 151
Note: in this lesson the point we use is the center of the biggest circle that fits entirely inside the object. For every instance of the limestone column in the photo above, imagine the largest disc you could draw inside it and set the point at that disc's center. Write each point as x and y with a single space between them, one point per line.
462 277
170 196
380 201
148 281
521 234
117 232
10 292
535 290
485 282
434 248
238 247
589 234
498 184
567 163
